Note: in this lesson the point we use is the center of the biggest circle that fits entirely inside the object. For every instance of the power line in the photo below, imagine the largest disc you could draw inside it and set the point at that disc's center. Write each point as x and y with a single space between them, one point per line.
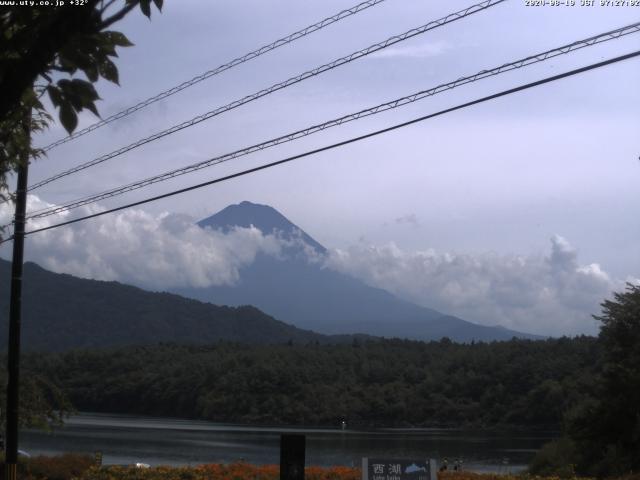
530 60
279 86
634 28
233 63
345 142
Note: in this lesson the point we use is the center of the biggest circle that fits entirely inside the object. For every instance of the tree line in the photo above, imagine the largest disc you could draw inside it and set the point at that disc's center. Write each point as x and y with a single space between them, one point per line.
381 383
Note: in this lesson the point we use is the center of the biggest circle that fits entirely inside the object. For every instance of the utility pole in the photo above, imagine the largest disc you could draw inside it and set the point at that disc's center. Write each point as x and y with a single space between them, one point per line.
15 310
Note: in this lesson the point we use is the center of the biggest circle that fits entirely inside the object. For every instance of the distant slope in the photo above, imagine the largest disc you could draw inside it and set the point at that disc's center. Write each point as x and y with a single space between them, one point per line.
61 312
311 297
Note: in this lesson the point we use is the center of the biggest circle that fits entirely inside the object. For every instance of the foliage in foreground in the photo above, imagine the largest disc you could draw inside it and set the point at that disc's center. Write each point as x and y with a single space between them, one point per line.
607 430
243 471
61 467
70 466
234 471
556 458
43 49
42 404
81 467
603 429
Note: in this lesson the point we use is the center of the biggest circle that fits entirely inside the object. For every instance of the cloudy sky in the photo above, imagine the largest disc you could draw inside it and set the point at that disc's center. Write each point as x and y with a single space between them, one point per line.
521 211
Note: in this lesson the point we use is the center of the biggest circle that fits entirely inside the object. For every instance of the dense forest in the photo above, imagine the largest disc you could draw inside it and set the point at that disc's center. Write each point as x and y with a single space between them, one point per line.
105 314
383 383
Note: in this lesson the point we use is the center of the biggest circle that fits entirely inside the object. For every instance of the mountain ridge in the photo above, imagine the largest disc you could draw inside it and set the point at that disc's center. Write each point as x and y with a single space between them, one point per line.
62 312
304 294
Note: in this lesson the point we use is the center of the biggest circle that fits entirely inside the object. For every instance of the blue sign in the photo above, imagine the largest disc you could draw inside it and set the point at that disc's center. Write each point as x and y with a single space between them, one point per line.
398 469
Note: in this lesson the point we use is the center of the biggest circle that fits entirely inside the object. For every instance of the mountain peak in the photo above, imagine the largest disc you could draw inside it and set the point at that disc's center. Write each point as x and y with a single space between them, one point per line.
263 217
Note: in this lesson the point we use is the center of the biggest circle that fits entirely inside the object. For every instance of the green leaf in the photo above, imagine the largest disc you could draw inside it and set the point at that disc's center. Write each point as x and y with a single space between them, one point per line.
75 58
117 38
68 118
158 4
92 107
145 6
54 95
77 94
107 49
67 65
64 84
109 71
84 89
91 73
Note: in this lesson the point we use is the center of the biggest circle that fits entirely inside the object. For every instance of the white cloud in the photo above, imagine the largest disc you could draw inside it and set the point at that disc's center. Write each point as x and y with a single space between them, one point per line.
409 219
548 295
154 251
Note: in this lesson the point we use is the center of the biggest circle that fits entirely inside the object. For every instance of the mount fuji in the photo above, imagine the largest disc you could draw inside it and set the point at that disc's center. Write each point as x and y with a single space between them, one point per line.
301 292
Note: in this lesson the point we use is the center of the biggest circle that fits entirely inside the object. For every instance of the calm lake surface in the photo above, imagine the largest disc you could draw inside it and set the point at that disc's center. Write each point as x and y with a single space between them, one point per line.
125 439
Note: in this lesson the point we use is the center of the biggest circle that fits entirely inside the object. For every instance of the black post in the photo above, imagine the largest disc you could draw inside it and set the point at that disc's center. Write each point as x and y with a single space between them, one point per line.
15 310
292 452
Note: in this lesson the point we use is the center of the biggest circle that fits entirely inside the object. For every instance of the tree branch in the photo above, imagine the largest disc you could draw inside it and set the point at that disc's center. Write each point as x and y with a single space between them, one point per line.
117 16
104 8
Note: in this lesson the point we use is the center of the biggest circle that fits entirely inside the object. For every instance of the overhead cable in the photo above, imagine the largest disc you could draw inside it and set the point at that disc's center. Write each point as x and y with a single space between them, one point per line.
278 86
343 143
208 74
530 60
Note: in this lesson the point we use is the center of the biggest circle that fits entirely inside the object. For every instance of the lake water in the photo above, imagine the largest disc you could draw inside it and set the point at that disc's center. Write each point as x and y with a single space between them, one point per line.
125 439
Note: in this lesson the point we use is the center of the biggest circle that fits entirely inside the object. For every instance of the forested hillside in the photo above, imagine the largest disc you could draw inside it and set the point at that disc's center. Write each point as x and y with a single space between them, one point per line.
62 312
391 382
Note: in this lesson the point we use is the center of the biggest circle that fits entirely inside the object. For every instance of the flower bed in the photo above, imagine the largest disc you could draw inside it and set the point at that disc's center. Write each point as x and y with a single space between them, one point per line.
80 467
234 471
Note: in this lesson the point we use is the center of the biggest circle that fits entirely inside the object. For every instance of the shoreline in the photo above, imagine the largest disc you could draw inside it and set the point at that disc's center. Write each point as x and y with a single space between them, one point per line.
358 428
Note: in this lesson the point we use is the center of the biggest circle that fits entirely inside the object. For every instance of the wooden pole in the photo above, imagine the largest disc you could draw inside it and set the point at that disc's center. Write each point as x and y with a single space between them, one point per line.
15 313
